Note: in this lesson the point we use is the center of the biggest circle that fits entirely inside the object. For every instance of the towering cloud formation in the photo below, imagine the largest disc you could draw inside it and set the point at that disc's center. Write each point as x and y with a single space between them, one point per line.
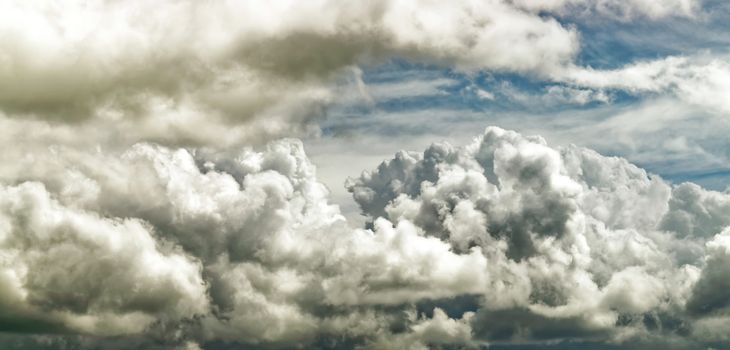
577 244
505 239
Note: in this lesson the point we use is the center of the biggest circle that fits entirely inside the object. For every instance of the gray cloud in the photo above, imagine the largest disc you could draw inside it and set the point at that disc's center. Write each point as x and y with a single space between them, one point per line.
258 255
708 295
185 73
76 271
179 72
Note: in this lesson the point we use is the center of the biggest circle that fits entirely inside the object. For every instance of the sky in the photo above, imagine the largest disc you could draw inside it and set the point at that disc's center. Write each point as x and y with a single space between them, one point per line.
406 104
388 174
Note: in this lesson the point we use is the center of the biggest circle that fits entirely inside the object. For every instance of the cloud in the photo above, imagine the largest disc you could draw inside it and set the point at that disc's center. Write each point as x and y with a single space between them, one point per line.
440 330
184 72
622 10
565 233
696 212
205 247
707 296
561 94
698 80
66 269
238 247
233 73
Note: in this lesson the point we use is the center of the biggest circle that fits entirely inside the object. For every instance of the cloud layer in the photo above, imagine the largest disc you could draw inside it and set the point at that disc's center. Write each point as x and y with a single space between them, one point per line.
185 72
231 73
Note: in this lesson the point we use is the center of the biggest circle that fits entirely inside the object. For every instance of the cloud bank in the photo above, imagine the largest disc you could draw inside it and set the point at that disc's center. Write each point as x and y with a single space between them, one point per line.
503 240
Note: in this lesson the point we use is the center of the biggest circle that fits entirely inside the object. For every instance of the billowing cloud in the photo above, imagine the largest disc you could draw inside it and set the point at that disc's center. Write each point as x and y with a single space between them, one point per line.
503 240
244 247
577 244
66 269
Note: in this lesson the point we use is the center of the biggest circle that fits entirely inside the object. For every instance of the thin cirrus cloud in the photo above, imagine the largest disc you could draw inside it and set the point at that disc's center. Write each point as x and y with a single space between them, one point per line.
152 193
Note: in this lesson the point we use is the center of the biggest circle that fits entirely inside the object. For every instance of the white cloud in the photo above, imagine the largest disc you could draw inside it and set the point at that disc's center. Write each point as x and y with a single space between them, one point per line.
411 88
74 270
568 234
557 94
254 71
700 81
708 295
196 246
425 333
623 10
255 226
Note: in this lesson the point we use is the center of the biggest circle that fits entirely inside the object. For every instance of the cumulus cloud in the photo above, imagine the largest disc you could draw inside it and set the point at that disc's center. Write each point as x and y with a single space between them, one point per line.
577 244
708 295
198 247
236 247
66 269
